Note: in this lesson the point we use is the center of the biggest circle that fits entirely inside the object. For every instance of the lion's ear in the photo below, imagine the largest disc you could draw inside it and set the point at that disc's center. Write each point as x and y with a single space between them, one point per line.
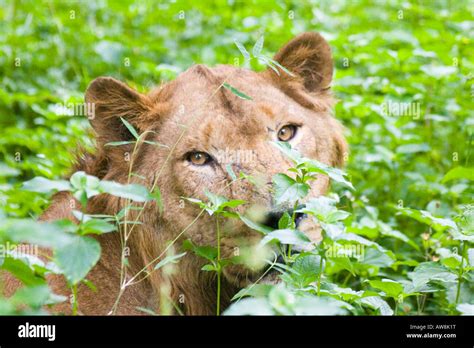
107 101
308 56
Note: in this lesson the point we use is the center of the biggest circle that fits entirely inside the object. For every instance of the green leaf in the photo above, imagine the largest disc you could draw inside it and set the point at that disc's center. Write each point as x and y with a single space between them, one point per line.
343 263
287 236
399 235
346 294
313 166
119 143
324 209
250 306
242 50
216 201
438 71
439 224
77 258
200 203
24 272
285 221
230 171
97 226
412 148
285 147
448 258
155 143
267 62
84 186
255 226
146 310
459 173
34 296
209 268
45 234
319 306
465 220
307 268
470 256
427 272
156 195
336 174
280 66
377 303
217 204
169 259
465 308
235 91
461 236
231 204
287 190
351 237
43 185
257 48
27 256
390 287
89 284
207 252
281 300
135 192
130 128
376 257
8 171
254 290
82 181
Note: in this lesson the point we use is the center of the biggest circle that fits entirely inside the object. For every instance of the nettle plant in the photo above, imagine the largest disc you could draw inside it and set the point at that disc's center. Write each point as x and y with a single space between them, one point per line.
345 273
75 252
356 268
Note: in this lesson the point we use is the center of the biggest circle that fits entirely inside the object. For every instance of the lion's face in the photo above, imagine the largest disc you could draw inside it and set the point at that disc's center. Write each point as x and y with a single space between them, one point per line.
205 136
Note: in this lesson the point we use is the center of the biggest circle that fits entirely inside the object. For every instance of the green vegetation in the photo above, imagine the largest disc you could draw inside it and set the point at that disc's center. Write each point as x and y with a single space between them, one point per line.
399 226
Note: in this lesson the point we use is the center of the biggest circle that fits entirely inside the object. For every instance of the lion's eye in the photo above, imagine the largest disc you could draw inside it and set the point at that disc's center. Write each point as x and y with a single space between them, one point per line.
199 158
286 133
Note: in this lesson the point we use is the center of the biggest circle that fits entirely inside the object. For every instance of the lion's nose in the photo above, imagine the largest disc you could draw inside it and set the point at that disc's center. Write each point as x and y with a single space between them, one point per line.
274 217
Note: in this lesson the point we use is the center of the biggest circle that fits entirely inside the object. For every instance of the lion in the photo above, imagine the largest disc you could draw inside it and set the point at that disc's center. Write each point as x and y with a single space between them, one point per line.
196 121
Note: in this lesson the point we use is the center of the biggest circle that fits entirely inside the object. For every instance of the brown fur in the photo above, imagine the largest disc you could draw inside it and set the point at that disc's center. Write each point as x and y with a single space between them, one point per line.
194 113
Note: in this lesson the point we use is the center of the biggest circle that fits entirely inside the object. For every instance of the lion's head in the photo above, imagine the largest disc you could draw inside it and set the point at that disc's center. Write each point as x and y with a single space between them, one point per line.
196 128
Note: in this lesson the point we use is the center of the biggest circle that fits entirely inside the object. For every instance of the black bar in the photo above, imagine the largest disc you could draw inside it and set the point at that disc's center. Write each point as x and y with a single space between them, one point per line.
136 331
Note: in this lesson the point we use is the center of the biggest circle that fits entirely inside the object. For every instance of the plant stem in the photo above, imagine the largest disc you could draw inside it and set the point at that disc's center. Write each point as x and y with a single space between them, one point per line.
74 296
423 301
346 279
461 271
293 223
218 268
320 274
74 287
218 309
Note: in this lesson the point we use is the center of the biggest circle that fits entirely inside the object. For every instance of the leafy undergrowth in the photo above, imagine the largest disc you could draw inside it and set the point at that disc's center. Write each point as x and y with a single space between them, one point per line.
348 271
400 243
